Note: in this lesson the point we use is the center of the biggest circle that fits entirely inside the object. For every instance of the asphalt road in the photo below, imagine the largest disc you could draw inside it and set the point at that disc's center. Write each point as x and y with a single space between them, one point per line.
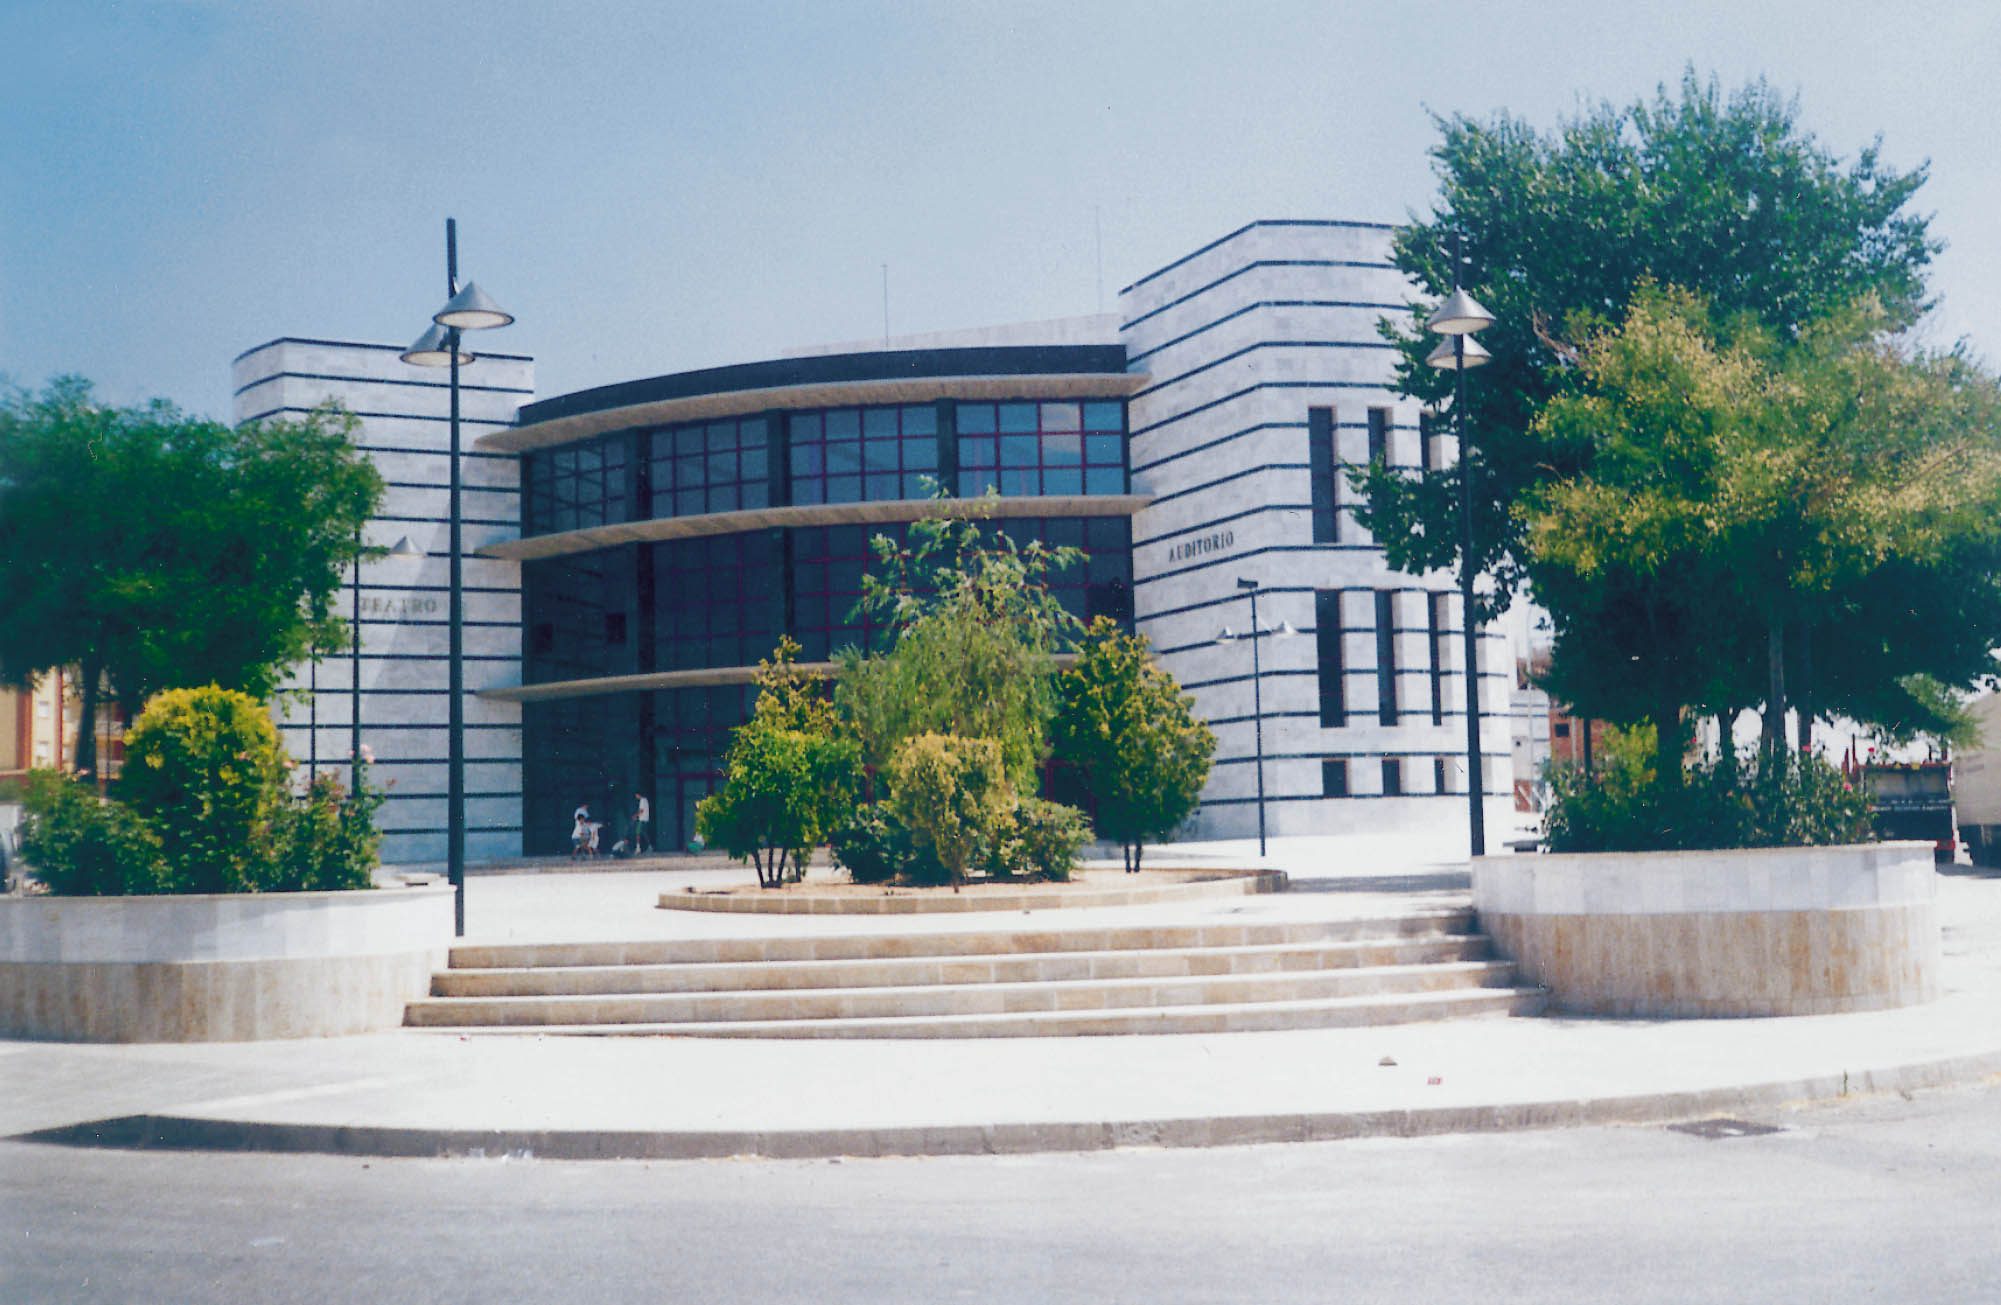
1883 1200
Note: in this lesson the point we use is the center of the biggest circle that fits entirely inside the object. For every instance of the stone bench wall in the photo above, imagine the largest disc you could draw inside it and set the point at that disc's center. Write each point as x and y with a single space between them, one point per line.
1769 931
222 968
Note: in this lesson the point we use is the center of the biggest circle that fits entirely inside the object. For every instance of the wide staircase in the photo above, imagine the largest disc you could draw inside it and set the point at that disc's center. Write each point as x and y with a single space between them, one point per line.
1207 977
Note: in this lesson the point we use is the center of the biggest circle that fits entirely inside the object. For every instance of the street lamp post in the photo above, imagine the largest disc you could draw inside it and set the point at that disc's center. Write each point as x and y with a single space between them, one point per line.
1457 319
466 309
1283 631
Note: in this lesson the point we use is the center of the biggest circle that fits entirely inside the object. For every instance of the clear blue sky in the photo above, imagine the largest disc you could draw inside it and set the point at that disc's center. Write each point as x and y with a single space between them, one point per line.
657 186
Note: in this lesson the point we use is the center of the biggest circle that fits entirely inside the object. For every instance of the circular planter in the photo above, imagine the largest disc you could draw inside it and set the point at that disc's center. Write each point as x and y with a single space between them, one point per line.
222 968
1761 931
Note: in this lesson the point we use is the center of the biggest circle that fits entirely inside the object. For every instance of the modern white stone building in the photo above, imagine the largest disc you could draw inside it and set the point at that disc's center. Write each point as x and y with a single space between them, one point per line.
1266 381
402 603
633 549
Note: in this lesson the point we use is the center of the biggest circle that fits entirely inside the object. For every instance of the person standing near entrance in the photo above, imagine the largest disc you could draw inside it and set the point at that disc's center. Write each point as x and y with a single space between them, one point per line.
581 833
642 824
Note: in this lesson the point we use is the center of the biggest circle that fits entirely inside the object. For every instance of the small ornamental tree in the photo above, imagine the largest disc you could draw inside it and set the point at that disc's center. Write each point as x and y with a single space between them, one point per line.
953 795
1124 723
789 780
972 627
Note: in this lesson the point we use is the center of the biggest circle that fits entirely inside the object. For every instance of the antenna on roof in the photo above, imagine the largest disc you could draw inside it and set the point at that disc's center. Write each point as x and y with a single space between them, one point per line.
885 305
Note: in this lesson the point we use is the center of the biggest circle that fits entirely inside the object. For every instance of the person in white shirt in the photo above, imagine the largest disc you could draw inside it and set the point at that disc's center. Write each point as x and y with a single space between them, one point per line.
642 824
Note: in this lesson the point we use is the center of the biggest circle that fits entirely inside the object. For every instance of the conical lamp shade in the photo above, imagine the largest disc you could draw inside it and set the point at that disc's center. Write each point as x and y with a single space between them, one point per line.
1460 314
471 310
1444 360
433 349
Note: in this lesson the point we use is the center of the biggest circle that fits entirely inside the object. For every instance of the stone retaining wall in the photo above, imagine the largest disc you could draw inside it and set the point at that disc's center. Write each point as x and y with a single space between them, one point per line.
1768 931
223 968
1102 889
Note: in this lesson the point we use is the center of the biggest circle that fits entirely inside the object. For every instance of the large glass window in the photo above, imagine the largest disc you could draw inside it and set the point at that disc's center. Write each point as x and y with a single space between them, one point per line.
1041 448
720 600
828 563
852 455
1102 584
572 607
1332 671
1321 462
1386 657
577 486
717 466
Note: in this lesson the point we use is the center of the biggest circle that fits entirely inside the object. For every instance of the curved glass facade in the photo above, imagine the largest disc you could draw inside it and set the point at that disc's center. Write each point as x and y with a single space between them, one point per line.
1041 448
855 455
723 600
830 455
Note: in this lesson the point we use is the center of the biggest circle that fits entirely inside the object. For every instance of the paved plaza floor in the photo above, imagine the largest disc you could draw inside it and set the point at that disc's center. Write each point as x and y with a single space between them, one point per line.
430 1093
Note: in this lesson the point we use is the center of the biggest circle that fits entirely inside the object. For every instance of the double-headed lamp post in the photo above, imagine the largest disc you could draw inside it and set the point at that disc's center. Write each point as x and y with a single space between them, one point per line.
466 309
1284 630
1457 319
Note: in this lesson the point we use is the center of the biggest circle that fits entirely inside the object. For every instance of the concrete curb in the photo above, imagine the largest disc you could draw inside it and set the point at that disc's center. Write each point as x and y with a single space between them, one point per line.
192 1133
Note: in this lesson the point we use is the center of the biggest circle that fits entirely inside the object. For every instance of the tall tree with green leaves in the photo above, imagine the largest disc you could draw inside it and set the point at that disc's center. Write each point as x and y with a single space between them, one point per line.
154 550
1726 196
1125 723
1740 496
972 629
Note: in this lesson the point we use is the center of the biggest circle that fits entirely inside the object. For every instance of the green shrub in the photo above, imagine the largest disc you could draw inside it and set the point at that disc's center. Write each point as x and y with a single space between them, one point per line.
953 794
1802 801
80 845
1041 840
1784 801
204 770
874 847
328 839
203 806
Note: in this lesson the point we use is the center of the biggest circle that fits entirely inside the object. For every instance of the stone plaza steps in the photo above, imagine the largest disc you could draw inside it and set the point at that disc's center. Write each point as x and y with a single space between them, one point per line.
905 971
1207 976
1035 997
1449 921
1340 1012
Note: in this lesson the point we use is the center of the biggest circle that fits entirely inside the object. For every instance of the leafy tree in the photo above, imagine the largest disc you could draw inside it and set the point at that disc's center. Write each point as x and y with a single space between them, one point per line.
954 796
1736 493
155 550
1727 197
972 629
789 779
1127 726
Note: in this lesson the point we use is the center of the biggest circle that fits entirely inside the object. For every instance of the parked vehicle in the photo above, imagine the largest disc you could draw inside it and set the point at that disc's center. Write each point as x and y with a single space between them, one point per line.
1914 801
